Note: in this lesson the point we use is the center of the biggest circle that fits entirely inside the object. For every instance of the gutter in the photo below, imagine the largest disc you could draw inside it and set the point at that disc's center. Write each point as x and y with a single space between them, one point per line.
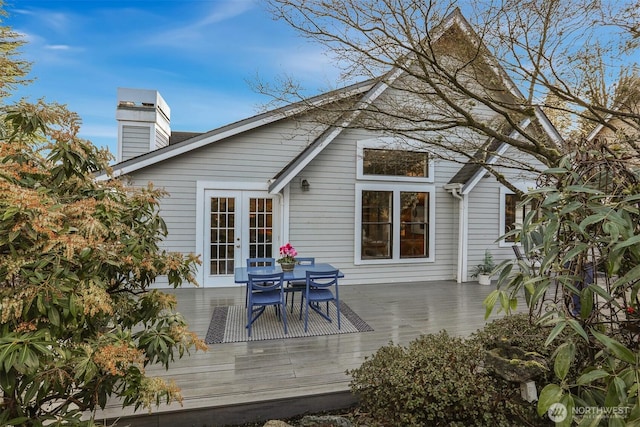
461 268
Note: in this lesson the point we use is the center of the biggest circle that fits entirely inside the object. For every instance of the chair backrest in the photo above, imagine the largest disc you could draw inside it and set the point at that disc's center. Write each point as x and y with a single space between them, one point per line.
260 262
306 261
516 250
322 279
266 282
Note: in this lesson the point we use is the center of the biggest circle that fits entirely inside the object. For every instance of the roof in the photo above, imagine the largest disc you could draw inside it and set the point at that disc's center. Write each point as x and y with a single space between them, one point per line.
188 141
177 136
368 91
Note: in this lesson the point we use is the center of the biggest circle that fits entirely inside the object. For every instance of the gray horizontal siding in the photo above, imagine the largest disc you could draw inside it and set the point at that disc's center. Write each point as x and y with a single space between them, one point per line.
135 141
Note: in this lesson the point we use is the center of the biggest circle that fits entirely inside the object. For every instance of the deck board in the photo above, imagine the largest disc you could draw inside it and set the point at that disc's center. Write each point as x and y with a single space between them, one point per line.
238 373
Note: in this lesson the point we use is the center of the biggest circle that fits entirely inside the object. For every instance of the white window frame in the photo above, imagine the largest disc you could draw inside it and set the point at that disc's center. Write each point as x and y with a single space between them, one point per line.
396 189
391 144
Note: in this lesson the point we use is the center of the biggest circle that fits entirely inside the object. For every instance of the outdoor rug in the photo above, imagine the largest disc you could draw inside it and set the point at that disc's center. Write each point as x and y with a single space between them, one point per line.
228 324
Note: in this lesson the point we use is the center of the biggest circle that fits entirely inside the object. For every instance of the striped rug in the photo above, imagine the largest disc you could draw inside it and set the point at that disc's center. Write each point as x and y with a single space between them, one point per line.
228 324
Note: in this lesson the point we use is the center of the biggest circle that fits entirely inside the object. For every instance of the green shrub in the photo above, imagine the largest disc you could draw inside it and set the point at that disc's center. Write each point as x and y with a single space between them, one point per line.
518 331
437 380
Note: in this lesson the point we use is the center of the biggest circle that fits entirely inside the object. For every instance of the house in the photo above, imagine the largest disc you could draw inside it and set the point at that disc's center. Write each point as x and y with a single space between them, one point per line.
378 207
618 132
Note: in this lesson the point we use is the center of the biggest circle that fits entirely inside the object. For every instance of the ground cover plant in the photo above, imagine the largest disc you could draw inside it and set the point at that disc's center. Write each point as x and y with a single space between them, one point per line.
438 380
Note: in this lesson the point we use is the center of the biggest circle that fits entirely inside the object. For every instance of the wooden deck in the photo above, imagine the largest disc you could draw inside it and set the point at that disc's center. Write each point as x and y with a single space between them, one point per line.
243 373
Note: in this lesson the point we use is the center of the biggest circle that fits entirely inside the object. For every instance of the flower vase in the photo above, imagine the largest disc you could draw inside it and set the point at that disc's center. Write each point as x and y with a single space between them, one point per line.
287 266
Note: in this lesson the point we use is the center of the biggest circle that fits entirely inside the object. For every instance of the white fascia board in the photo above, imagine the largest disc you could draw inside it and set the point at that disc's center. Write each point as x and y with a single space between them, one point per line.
335 131
235 130
595 132
304 162
549 128
499 152
159 157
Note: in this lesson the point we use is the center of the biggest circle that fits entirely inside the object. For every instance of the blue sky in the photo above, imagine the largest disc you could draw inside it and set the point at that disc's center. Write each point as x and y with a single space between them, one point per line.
199 54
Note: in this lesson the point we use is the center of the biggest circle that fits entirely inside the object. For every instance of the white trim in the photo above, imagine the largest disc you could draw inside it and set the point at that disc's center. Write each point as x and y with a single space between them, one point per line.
396 188
307 159
499 152
201 188
240 127
326 139
284 215
389 143
463 233
463 240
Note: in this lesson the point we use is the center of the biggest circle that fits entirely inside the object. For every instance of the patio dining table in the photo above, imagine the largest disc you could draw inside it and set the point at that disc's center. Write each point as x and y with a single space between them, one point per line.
299 274
241 274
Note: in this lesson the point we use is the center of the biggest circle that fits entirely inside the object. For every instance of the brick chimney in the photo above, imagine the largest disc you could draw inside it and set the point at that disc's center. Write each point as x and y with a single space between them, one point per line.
143 122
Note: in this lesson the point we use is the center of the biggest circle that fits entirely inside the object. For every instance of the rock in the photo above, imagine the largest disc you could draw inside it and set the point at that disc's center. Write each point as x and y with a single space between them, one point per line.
276 423
514 364
324 421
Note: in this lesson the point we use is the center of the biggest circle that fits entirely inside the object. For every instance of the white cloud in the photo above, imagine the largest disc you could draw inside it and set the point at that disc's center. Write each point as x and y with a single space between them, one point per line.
223 11
57 47
59 22
195 31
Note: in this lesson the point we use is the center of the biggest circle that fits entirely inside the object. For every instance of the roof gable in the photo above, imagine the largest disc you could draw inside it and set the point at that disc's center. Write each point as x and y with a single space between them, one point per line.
368 91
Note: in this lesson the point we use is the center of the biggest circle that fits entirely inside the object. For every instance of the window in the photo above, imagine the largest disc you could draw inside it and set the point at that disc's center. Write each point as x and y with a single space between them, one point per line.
394 203
395 223
378 161
512 212
377 225
388 160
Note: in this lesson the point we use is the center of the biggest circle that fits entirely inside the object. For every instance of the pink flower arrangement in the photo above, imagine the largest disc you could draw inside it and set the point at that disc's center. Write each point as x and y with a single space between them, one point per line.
287 254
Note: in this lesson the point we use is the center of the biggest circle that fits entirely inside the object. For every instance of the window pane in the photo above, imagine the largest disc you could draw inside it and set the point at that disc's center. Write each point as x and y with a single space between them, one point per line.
395 163
514 213
377 208
222 235
260 227
414 229
510 202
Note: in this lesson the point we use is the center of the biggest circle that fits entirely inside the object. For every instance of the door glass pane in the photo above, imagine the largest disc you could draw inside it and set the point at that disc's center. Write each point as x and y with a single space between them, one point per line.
260 227
377 208
221 248
414 229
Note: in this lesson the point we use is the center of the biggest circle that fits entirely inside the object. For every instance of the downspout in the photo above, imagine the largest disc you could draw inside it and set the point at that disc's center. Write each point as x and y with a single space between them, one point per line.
461 265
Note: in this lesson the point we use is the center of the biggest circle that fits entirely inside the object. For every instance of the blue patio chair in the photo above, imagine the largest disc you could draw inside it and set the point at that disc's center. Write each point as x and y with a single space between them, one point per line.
318 289
257 263
260 262
265 290
298 286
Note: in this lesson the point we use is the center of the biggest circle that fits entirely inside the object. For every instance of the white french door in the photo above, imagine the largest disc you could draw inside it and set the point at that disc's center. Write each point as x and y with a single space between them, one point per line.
238 225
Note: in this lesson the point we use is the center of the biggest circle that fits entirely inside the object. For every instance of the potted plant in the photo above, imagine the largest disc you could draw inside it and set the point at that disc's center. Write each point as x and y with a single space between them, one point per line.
287 258
483 271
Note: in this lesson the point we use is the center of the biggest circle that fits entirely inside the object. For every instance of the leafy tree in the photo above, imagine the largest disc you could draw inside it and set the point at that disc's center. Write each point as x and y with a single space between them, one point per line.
578 62
585 227
78 322
573 53
14 69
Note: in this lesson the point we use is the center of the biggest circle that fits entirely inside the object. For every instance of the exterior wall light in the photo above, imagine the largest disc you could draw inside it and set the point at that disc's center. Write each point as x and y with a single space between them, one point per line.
304 184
